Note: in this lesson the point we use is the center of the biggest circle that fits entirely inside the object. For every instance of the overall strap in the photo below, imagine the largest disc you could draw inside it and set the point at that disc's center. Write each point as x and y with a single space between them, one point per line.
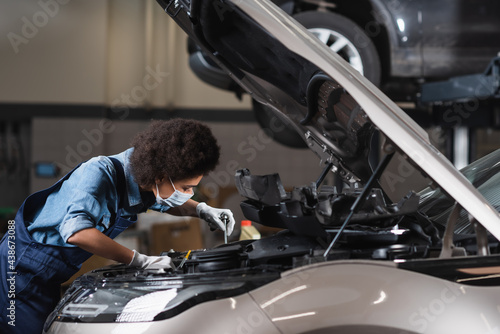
120 181
119 223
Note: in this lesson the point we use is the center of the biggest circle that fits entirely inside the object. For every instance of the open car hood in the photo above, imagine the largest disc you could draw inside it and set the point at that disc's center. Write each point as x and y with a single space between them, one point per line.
280 64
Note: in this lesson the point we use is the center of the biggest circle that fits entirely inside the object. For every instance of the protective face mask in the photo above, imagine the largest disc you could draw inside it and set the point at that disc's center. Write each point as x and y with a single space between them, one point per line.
176 199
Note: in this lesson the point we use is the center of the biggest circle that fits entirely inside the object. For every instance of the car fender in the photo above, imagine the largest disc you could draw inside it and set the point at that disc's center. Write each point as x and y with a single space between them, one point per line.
377 296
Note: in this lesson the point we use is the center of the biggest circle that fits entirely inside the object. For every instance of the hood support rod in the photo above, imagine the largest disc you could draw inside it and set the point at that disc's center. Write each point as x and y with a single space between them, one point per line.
361 198
323 174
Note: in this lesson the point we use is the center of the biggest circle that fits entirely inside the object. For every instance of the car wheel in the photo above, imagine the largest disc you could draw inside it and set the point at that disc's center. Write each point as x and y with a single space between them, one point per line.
346 38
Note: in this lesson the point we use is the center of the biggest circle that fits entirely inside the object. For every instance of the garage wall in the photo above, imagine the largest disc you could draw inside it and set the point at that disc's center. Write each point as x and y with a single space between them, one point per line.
98 52
70 58
53 53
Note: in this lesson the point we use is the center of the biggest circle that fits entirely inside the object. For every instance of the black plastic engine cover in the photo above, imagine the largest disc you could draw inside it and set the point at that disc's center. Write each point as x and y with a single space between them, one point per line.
282 245
266 189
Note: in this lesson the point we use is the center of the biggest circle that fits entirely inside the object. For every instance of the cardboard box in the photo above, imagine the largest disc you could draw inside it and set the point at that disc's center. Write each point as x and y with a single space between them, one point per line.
179 236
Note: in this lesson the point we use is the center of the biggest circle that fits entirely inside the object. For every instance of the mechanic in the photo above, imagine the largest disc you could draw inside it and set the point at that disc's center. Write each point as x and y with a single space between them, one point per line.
58 228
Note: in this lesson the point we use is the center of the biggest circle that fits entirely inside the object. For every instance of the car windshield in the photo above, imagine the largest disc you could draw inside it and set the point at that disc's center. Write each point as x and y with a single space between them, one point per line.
484 174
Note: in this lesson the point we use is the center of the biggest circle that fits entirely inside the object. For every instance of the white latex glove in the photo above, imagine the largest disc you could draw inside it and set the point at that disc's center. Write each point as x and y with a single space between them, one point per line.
212 217
150 262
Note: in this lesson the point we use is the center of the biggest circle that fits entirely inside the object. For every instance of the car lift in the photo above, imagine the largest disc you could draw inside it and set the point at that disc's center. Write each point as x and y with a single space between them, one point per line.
454 100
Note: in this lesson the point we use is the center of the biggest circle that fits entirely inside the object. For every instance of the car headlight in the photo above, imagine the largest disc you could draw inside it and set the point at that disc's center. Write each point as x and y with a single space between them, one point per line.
148 298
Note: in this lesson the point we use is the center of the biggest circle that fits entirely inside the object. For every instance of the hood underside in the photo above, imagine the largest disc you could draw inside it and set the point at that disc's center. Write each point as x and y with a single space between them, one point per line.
329 120
280 64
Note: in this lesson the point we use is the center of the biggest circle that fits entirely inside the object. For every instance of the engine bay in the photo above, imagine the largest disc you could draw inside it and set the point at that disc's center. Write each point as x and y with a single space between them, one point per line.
318 226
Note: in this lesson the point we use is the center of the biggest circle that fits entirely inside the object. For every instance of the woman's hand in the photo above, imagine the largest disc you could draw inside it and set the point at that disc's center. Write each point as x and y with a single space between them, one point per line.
214 217
150 262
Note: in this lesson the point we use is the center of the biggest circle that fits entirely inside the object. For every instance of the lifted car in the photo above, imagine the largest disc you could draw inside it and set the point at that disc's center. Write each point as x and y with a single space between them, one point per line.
391 39
397 45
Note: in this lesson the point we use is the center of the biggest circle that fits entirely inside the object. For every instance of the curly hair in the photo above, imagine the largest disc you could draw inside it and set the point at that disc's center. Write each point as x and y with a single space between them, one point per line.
177 148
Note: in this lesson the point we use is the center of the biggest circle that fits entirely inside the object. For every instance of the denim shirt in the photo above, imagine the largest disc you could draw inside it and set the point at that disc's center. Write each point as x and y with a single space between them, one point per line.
87 199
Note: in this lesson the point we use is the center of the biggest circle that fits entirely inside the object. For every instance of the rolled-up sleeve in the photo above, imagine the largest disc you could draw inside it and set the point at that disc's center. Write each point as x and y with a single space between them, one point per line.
73 225
91 197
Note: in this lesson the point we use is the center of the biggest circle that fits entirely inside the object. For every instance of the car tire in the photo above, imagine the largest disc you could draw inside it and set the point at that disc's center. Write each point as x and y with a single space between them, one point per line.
346 38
